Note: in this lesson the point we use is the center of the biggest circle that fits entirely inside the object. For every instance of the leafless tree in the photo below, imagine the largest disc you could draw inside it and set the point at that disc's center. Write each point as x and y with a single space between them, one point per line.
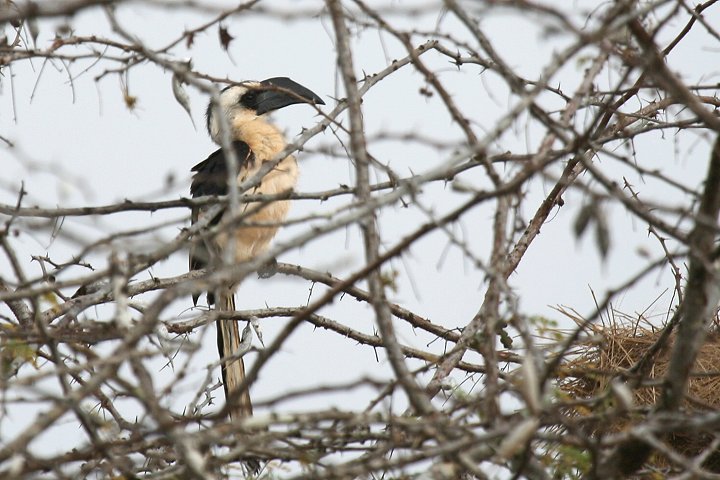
92 337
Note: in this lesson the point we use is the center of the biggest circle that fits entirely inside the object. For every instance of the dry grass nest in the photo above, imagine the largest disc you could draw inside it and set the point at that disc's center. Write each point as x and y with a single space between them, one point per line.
612 348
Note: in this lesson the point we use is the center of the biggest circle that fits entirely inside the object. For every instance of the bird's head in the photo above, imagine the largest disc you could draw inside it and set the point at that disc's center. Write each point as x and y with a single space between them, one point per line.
249 100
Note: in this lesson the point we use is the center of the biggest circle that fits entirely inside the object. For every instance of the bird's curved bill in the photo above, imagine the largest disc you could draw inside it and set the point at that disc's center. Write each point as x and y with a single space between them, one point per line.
279 92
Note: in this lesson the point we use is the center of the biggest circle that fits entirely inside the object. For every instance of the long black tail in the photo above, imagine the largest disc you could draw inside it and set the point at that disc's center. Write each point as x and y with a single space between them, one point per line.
233 371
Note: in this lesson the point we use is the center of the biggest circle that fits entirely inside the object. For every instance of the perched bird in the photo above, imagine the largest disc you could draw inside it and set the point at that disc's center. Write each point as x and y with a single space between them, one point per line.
255 141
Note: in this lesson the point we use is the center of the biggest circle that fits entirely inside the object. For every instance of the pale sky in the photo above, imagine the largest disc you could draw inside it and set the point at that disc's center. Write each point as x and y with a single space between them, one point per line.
79 145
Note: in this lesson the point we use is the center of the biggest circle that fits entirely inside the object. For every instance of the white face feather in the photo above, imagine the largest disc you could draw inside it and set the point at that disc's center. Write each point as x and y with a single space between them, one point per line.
231 107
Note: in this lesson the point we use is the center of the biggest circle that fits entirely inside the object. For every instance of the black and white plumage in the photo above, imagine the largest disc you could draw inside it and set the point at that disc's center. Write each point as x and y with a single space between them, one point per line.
255 141
210 177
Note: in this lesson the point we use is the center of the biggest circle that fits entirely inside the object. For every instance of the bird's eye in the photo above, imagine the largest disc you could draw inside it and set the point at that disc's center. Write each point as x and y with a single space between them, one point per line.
249 97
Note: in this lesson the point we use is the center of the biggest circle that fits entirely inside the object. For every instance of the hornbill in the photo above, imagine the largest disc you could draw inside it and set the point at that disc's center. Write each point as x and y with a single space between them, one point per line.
254 140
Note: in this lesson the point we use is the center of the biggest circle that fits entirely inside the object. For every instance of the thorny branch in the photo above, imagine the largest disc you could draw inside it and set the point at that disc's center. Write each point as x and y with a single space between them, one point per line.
580 139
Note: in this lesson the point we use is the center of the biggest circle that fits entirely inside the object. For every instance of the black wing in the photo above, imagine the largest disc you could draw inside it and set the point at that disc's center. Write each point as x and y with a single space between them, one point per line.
211 178
211 174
